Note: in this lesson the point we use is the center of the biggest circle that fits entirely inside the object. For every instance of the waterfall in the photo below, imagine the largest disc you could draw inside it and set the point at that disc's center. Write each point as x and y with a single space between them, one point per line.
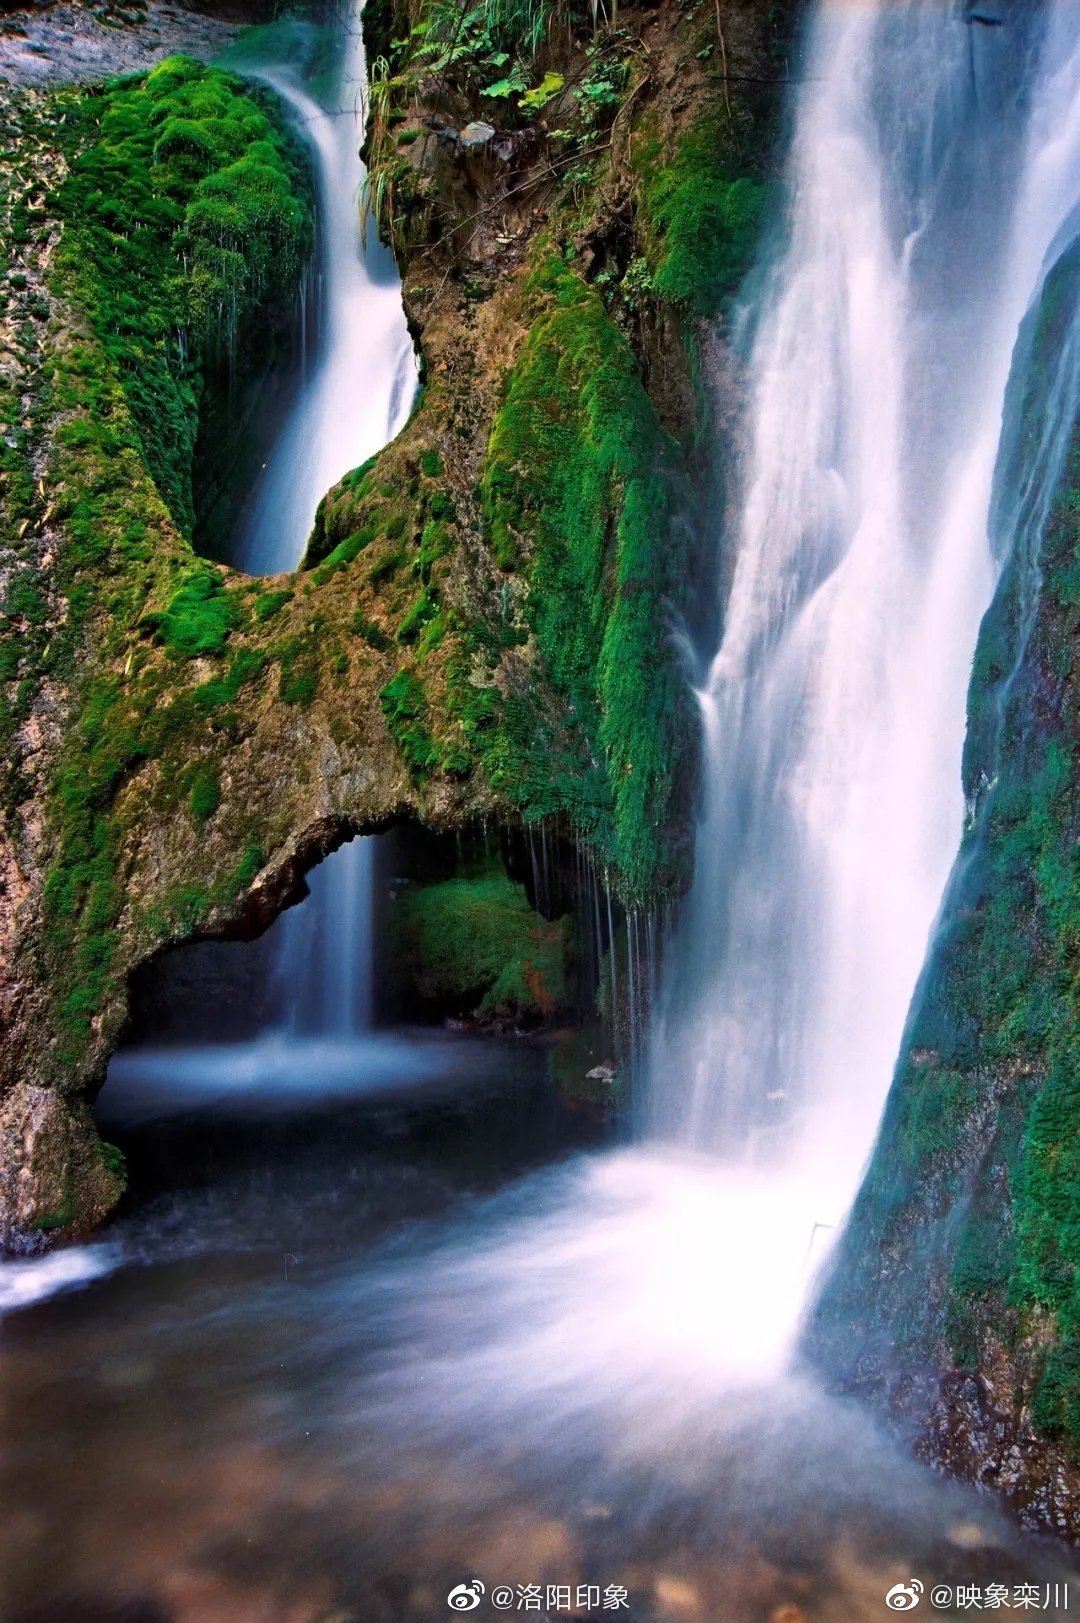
360 382
619 1313
935 165
316 1041
354 395
324 956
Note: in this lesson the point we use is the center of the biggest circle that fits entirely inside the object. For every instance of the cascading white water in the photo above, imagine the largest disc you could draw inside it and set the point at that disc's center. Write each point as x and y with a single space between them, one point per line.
936 157
323 980
934 164
362 378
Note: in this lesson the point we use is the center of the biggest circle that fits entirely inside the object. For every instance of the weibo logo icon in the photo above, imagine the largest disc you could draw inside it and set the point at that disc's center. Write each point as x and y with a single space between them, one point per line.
465 1597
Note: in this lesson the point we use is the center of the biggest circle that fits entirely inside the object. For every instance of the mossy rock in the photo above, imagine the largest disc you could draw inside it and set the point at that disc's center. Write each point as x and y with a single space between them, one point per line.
475 948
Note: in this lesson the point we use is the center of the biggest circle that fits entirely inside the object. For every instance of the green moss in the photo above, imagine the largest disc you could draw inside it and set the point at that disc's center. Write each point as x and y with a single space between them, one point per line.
703 216
200 616
83 895
187 907
420 612
476 946
584 493
934 1107
204 797
29 642
250 866
191 208
372 634
245 665
434 633
300 667
404 704
436 542
114 1160
387 566
267 604
345 552
25 601
49 1222
153 163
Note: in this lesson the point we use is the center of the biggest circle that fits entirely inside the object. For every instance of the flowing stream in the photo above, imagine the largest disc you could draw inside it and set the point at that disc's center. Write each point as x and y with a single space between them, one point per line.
373 1327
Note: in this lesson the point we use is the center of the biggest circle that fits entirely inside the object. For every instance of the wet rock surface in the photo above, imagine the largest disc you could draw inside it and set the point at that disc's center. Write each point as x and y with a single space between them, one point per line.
65 44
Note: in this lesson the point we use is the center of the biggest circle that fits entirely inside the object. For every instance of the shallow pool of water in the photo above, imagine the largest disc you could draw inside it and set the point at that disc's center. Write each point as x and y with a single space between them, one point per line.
342 1353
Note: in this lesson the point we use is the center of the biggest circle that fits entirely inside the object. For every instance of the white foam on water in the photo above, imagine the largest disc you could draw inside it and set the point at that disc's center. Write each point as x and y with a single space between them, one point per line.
26 1280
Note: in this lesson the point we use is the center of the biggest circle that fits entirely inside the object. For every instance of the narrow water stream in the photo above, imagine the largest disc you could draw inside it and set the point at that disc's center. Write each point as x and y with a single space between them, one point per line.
360 380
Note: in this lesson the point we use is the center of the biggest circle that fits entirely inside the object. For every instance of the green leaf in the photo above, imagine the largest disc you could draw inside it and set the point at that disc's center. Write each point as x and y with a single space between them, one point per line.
549 87
506 87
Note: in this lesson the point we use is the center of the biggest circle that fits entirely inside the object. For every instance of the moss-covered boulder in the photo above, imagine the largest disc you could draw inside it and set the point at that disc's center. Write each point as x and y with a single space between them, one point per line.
473 948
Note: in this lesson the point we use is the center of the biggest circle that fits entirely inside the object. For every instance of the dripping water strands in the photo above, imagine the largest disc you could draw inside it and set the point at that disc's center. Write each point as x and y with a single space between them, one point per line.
620 949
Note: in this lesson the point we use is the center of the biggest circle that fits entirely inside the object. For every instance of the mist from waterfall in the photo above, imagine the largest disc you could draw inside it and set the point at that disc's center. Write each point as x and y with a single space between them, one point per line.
361 378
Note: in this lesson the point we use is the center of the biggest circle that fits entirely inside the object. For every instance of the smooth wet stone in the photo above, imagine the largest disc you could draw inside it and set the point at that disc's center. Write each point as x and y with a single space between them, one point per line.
477 134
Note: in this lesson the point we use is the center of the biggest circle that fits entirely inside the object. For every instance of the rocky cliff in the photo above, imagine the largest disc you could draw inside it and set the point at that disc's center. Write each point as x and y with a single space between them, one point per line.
480 633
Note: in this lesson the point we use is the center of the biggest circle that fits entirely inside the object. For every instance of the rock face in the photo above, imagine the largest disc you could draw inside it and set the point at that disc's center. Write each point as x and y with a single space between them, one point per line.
478 634
953 1297
54 1171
